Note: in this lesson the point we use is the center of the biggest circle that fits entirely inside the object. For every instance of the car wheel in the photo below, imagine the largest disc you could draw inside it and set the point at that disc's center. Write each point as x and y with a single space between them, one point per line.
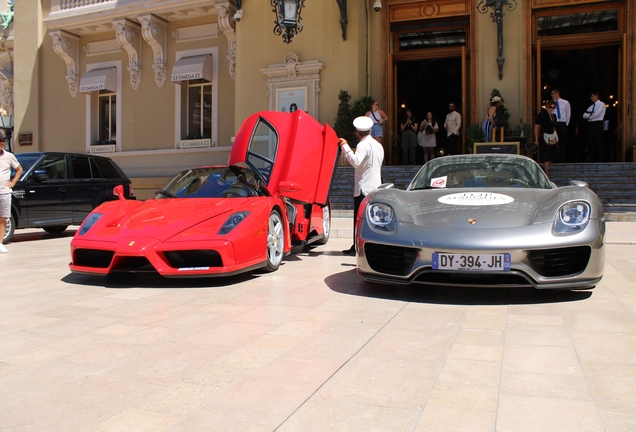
55 229
326 225
275 241
8 233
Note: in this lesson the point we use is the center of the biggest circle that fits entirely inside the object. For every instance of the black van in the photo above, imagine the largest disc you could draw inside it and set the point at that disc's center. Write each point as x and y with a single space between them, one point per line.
60 189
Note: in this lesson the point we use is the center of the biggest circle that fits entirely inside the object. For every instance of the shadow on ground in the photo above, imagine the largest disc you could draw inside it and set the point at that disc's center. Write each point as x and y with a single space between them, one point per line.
348 282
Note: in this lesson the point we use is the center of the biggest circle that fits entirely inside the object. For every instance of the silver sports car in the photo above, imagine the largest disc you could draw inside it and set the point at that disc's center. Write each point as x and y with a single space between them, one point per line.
484 220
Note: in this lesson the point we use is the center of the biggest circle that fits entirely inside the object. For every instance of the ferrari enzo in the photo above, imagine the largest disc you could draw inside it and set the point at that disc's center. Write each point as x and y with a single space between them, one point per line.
483 220
222 220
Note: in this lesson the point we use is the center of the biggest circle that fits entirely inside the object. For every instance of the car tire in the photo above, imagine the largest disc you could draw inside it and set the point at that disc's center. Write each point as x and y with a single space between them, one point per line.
58 229
10 230
326 225
275 241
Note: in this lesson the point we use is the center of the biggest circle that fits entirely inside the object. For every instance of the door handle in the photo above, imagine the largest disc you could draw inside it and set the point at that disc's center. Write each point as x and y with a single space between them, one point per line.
62 189
95 188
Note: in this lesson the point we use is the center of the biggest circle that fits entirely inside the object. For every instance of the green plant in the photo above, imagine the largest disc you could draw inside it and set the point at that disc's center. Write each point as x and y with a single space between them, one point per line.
631 145
343 123
503 116
473 134
346 113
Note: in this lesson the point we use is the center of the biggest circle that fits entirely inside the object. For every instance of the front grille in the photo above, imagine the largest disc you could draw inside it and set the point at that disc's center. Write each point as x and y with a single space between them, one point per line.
93 258
193 258
395 260
133 264
472 278
560 262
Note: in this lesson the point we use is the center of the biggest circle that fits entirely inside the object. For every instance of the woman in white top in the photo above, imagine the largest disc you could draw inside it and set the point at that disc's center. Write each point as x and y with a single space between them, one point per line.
428 140
378 117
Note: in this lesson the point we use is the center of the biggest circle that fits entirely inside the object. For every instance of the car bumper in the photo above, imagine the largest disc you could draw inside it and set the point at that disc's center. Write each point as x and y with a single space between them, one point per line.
148 255
406 256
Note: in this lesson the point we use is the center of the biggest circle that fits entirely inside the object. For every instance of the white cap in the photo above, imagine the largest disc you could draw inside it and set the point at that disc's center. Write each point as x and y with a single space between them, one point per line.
495 99
363 123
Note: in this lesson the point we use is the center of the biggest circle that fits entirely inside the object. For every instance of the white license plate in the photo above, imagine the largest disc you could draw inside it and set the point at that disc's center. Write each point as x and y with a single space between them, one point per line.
473 262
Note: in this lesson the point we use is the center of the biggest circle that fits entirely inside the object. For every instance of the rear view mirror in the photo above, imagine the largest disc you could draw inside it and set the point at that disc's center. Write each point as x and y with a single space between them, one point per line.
288 186
119 191
40 175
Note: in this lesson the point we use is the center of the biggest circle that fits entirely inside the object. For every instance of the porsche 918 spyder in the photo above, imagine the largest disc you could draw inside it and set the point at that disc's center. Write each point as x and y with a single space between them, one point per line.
480 221
222 220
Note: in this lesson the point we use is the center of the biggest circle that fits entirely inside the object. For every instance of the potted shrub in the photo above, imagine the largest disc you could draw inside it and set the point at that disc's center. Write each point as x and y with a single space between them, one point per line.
473 134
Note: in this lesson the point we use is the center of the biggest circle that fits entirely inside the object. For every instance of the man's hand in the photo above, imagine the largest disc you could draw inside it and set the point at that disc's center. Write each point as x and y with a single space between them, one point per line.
342 142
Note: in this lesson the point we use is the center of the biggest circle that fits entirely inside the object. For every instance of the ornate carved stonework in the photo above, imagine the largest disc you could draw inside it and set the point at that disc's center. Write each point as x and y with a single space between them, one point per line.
227 25
66 45
128 35
293 73
155 32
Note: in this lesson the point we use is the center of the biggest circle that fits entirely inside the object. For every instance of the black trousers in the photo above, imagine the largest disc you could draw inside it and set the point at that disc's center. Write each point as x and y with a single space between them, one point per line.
562 131
356 206
595 134
452 147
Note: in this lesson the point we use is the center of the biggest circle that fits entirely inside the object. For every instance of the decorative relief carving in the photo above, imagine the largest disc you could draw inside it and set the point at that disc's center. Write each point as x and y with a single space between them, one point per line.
294 73
66 45
128 35
428 9
227 25
155 31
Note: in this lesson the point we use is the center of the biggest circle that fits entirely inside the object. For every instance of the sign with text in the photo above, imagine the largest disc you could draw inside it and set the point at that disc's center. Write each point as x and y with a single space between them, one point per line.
195 143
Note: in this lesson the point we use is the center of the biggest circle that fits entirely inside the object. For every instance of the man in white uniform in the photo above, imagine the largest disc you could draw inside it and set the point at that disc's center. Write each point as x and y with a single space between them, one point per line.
367 161
7 161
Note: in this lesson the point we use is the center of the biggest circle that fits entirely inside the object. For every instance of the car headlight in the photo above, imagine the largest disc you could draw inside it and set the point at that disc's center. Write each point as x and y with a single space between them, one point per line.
232 222
88 223
381 217
572 216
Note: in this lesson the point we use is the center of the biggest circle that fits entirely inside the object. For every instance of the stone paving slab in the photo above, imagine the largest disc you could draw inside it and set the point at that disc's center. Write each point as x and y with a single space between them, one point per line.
310 347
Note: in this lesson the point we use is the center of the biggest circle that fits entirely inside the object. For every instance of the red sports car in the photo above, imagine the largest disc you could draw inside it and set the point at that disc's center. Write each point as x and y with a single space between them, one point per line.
222 220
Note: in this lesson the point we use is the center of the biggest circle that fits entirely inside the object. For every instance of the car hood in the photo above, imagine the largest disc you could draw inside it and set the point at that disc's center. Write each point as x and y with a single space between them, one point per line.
162 218
489 207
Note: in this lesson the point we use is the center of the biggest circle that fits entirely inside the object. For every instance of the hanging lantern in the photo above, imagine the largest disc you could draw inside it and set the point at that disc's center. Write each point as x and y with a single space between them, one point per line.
288 19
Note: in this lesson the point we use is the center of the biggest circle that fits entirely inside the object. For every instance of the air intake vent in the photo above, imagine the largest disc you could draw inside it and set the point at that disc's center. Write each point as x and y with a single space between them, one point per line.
93 258
560 262
194 258
393 260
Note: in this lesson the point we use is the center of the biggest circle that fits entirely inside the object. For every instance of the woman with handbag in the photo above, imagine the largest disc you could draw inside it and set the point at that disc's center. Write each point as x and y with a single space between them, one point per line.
427 138
545 136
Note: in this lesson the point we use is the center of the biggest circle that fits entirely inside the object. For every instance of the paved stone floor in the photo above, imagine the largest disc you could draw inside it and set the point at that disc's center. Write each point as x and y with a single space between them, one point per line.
309 348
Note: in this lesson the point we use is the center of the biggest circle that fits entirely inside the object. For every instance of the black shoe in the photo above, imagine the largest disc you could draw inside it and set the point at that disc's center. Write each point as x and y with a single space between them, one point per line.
351 251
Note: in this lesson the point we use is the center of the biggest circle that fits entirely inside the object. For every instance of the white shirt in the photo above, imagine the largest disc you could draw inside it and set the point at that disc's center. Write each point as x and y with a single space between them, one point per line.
367 161
7 161
453 123
564 110
595 112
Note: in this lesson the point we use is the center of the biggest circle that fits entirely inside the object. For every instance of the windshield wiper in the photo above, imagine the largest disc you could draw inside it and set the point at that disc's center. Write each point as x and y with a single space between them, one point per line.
166 193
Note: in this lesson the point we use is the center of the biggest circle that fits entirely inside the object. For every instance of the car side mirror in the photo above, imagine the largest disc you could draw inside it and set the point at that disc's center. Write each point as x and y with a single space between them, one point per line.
40 175
578 183
119 191
288 186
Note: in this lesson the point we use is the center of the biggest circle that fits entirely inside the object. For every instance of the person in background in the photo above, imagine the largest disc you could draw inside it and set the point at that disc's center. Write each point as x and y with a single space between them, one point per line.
378 117
367 163
7 161
408 127
562 112
293 108
545 123
452 124
594 116
428 139
491 119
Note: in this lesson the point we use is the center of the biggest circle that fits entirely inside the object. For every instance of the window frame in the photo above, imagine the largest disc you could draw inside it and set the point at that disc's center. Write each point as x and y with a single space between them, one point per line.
181 97
92 108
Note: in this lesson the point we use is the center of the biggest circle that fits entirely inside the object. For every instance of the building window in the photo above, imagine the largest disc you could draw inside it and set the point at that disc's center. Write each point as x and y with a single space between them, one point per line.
107 117
199 109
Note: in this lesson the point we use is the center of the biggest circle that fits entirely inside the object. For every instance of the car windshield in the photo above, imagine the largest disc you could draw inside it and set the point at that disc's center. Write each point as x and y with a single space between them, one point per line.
212 182
473 171
26 161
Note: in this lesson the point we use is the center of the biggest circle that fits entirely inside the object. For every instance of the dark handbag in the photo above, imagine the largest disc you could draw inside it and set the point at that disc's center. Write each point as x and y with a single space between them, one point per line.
428 130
